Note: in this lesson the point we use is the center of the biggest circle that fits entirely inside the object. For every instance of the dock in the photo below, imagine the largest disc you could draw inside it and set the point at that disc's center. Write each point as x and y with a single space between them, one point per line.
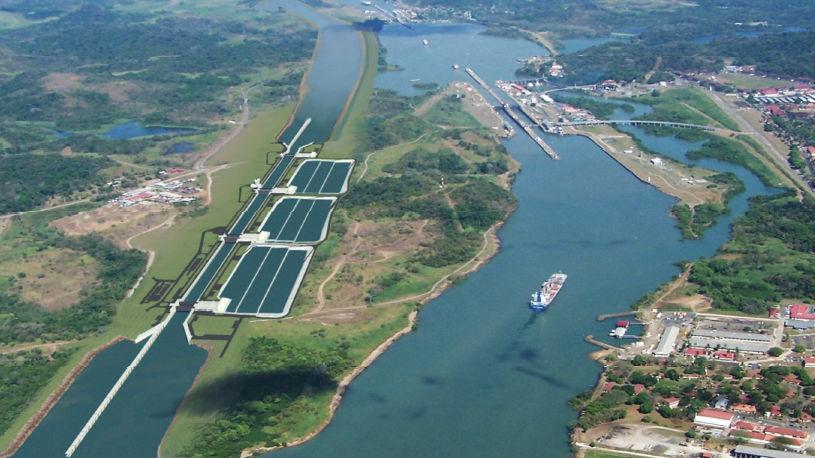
606 316
590 339
528 128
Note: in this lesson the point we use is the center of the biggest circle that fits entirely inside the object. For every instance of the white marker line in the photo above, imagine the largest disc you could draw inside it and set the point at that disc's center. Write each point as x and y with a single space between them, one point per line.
313 174
288 217
249 286
326 178
313 202
274 279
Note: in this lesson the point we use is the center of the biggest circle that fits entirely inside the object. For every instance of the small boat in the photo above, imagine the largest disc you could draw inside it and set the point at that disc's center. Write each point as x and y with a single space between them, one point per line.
425 42
455 67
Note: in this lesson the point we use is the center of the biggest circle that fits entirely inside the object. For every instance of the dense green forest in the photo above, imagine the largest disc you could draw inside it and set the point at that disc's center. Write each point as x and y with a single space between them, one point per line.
25 322
770 257
28 181
22 374
274 376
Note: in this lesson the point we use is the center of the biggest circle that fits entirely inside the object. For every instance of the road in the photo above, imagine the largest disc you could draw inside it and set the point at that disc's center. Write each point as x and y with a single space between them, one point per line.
778 157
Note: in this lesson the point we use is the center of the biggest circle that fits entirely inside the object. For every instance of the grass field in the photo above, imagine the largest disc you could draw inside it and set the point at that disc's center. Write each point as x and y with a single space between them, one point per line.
604 454
751 82
686 105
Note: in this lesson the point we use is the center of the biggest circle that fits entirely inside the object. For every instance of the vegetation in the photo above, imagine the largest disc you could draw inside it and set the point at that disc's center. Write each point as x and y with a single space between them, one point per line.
59 93
771 256
600 108
43 177
25 322
275 376
22 374
686 105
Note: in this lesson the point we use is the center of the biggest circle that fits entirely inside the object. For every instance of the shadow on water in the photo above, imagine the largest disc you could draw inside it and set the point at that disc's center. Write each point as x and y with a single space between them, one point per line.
278 387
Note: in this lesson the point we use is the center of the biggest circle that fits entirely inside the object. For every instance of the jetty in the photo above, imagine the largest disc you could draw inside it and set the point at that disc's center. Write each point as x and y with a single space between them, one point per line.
513 115
590 339
606 316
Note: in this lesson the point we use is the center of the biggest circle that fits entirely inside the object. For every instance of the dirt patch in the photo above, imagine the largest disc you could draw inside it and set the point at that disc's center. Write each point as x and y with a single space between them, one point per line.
115 223
366 252
52 278
119 91
62 82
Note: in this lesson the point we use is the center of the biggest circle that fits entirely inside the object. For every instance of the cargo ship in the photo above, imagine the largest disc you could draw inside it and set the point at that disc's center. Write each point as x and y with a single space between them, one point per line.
547 292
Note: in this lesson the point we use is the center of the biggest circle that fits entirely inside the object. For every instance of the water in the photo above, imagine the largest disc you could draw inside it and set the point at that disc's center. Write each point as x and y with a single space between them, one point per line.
180 148
464 44
133 129
482 376
137 419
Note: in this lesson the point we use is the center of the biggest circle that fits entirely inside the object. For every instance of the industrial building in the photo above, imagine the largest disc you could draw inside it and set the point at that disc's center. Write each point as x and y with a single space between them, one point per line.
745 451
748 342
667 343
713 418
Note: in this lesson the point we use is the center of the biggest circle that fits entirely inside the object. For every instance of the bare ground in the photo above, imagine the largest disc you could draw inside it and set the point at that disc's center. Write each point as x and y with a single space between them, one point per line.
53 278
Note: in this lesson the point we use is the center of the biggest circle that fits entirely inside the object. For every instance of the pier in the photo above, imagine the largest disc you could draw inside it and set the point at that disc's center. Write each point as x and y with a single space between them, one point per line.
606 316
590 339
513 115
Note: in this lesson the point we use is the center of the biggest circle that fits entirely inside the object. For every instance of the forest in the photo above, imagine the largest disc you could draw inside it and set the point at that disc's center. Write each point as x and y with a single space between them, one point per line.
771 257
29 180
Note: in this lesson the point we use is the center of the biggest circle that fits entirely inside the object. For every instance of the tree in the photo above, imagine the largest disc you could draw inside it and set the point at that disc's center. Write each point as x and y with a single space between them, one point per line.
775 352
799 348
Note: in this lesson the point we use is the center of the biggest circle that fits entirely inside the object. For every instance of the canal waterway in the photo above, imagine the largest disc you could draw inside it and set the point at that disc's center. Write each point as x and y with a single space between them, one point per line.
137 418
482 376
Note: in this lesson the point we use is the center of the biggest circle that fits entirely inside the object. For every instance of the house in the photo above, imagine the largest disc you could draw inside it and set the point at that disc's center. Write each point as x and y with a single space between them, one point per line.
713 418
746 426
656 161
775 110
809 361
694 352
800 312
608 386
638 388
768 91
721 402
775 411
672 402
789 433
811 152
774 312
725 355
744 409
792 379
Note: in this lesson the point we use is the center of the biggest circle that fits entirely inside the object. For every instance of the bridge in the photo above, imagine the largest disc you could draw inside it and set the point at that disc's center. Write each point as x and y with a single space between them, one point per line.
635 122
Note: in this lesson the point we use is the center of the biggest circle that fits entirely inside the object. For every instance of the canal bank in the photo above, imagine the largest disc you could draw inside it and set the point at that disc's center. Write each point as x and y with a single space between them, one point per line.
140 414
481 376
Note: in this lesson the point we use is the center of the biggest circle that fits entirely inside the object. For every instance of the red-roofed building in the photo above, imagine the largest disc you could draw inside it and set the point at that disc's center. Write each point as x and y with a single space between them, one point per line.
672 402
774 312
775 411
746 426
775 110
768 91
800 312
809 361
713 418
790 433
725 355
805 417
639 388
792 378
608 386
803 88
694 352
744 408
811 151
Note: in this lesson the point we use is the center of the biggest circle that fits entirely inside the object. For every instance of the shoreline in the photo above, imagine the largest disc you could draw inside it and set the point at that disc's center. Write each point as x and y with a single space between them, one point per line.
52 399
479 260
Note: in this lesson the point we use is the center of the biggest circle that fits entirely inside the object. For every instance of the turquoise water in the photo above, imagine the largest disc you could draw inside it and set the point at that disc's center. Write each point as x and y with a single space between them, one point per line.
482 376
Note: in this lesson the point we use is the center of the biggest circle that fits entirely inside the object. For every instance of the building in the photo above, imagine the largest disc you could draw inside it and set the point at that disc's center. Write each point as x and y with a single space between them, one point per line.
789 433
744 408
809 361
667 343
713 418
745 451
800 312
671 402
749 342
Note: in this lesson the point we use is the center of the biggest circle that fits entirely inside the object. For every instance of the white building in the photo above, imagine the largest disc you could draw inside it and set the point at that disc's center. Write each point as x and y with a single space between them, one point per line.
713 418
667 343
